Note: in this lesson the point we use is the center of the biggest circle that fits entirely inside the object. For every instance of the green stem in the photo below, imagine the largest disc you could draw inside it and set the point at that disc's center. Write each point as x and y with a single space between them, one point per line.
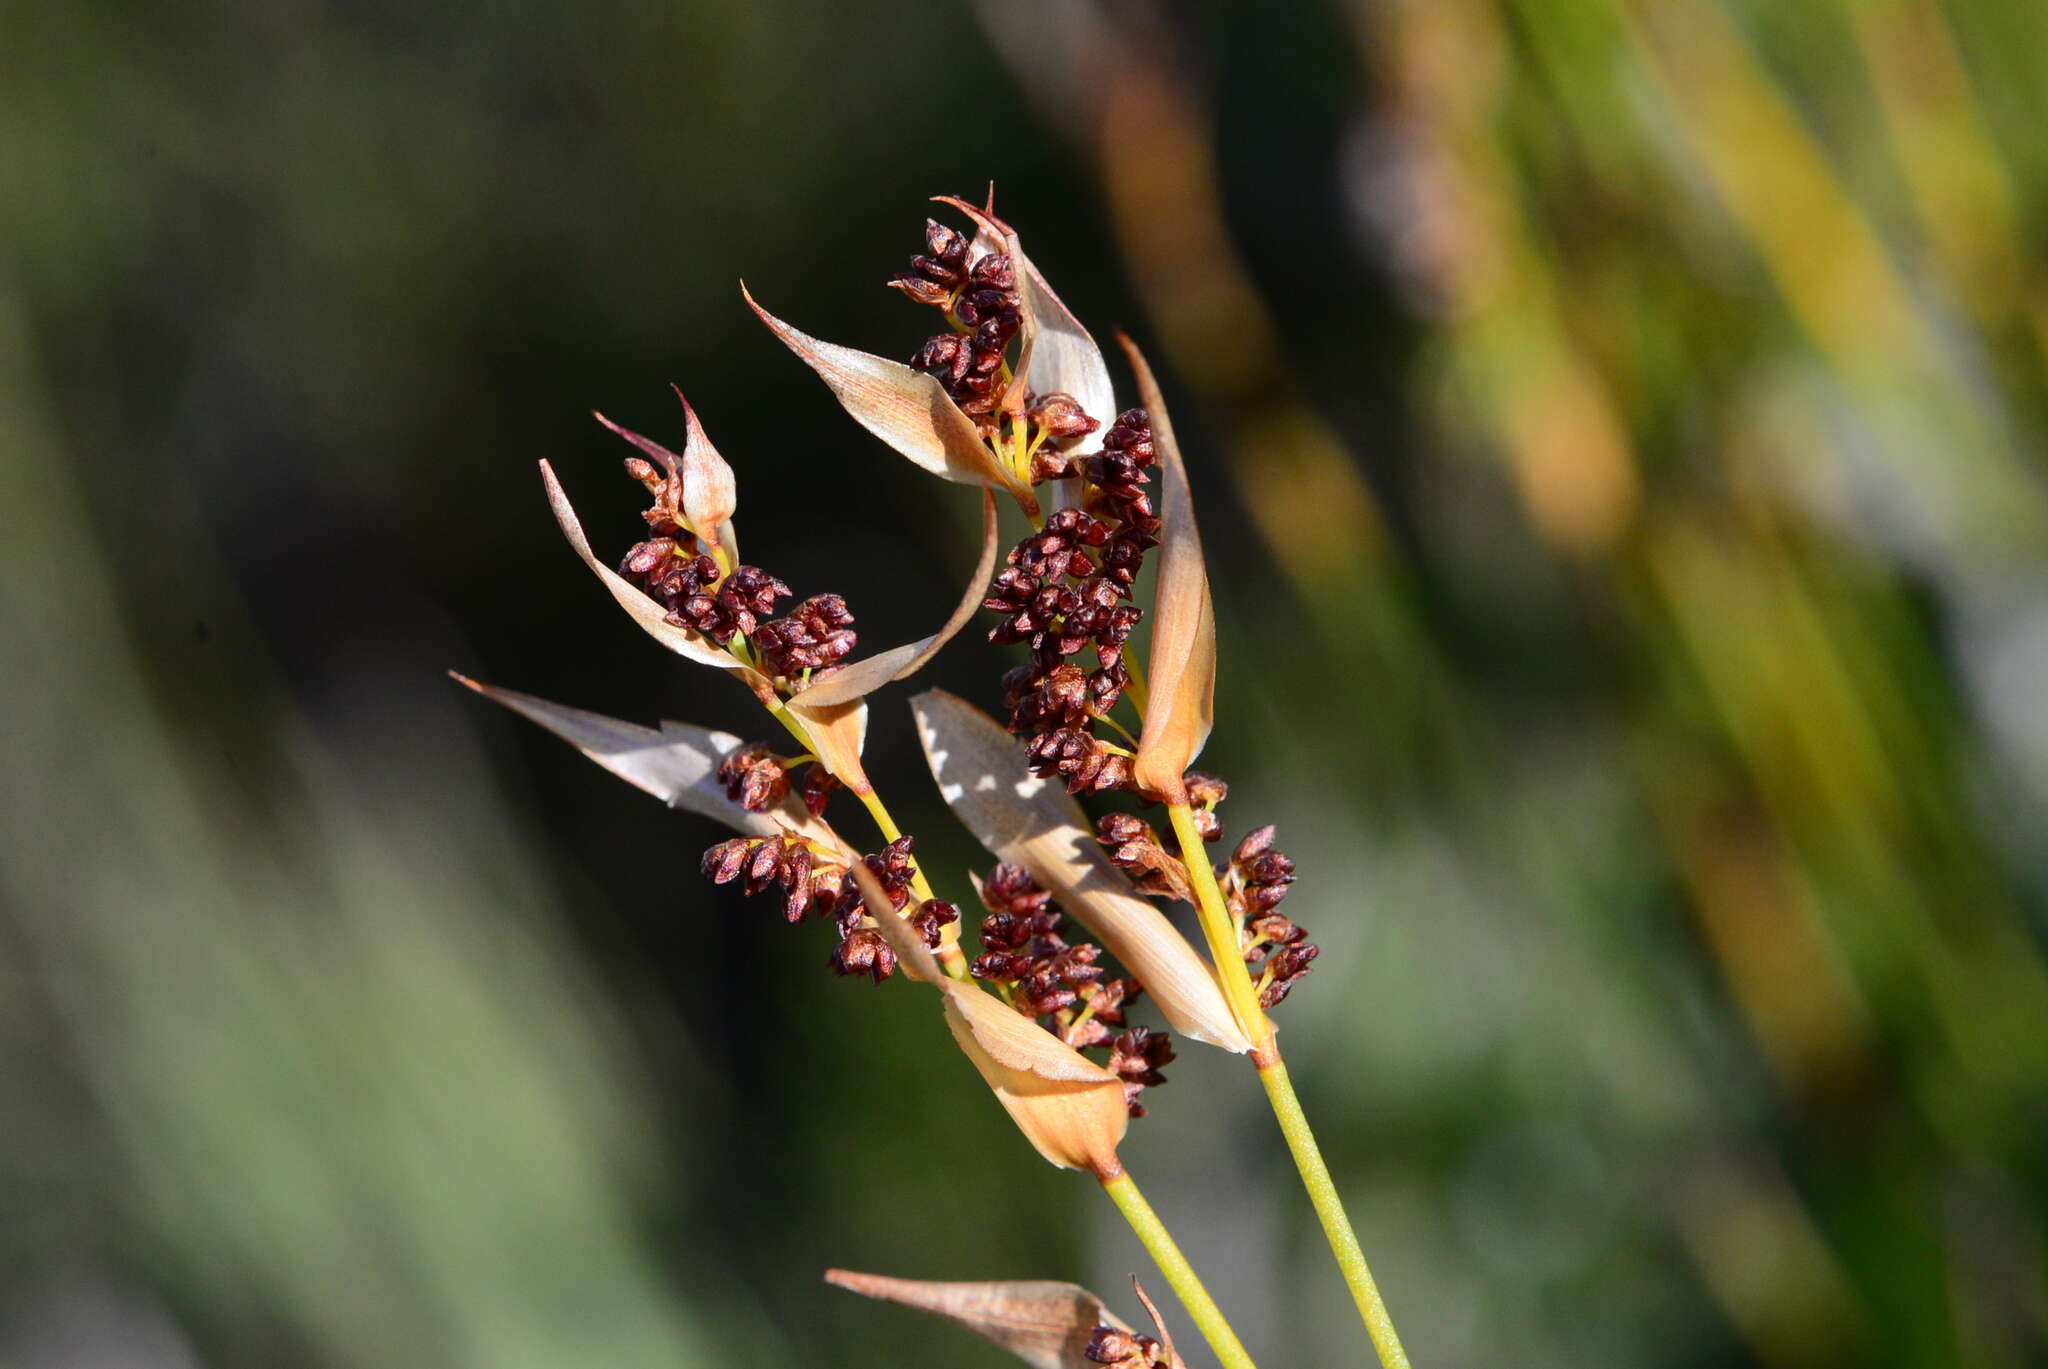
1186 1284
1220 929
1322 1192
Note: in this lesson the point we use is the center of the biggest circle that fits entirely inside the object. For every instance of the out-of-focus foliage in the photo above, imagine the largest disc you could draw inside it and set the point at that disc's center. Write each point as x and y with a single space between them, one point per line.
1619 434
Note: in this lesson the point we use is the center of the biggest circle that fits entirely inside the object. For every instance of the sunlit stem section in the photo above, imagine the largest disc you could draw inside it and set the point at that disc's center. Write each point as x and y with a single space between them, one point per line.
1322 1193
1220 930
1186 1284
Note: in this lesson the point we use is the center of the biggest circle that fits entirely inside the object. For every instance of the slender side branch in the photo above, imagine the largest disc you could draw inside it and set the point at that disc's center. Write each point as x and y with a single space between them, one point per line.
1187 1285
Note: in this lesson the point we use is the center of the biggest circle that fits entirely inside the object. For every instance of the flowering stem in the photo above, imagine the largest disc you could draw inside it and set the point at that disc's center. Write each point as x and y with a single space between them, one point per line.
1187 1285
1221 931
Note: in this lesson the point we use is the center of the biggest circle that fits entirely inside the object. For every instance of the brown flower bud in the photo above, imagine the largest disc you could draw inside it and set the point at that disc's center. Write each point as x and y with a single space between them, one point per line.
1139 1055
817 633
1011 889
1060 417
1286 967
861 950
757 862
754 777
819 786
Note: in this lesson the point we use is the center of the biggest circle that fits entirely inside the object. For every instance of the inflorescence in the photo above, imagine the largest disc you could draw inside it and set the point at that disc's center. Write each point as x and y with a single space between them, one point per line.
1065 595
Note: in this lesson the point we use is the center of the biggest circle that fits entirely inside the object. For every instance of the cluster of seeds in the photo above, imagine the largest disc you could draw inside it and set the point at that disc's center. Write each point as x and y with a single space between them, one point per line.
984 314
680 574
818 882
1026 953
1066 590
1276 949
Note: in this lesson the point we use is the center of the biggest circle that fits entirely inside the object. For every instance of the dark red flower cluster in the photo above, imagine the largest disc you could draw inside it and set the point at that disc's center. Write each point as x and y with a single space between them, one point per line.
679 573
754 777
980 301
1062 593
861 948
757 779
1275 947
810 879
1025 949
984 313
817 883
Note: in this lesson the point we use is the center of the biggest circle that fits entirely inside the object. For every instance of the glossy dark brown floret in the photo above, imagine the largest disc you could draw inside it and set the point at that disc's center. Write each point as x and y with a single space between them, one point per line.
1063 592
984 315
1025 948
1010 889
810 883
819 786
893 868
815 882
1205 791
1078 759
1139 1055
862 949
939 271
1132 845
817 633
754 777
1059 417
1276 948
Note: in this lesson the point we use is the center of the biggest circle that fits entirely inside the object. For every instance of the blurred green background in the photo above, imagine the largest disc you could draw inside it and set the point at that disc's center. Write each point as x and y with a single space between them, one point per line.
1620 433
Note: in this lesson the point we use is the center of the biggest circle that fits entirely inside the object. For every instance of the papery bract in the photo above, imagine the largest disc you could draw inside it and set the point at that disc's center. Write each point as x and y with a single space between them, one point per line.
1181 670
710 494
1034 823
1071 1109
1046 1324
1055 353
651 616
678 763
906 408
